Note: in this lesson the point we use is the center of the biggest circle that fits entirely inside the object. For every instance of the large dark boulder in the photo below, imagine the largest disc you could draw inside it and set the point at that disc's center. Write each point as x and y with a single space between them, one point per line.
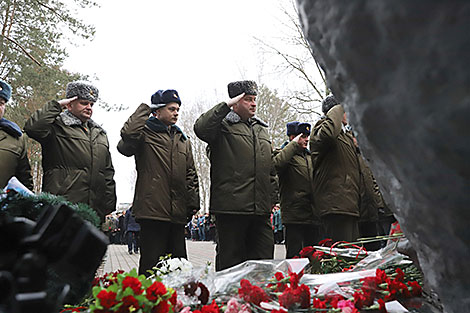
402 69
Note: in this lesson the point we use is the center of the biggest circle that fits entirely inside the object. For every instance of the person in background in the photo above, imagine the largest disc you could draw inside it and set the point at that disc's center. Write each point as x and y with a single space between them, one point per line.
75 150
293 162
201 227
13 154
337 182
167 187
132 230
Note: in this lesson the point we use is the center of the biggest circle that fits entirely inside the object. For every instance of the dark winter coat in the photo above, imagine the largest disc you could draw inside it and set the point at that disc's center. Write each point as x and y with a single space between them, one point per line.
129 222
75 158
13 155
242 173
337 179
167 187
295 171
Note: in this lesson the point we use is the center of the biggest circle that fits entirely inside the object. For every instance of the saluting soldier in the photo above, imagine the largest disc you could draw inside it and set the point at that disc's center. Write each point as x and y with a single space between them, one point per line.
242 175
167 187
75 150
294 167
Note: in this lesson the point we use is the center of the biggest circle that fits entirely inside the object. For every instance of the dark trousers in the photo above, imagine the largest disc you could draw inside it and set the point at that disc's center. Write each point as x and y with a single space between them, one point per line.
133 241
158 239
369 229
241 238
340 227
299 236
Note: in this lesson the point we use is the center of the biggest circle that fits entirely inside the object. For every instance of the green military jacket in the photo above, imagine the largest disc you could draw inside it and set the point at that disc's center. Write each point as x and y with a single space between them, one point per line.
14 160
75 158
240 152
167 187
295 171
337 179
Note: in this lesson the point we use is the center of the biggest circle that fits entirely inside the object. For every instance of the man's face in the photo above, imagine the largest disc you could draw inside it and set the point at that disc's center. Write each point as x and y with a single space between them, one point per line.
168 115
303 140
2 107
81 108
246 107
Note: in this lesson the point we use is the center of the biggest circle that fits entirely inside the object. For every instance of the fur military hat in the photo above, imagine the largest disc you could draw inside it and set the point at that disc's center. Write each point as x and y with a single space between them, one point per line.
248 87
304 128
292 128
82 90
163 97
5 90
328 103
295 128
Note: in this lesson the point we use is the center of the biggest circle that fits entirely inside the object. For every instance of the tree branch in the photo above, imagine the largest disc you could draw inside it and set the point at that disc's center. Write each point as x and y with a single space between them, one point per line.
22 49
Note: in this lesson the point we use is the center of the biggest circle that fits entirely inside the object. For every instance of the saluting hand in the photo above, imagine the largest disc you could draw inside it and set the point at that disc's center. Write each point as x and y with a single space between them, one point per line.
231 102
63 103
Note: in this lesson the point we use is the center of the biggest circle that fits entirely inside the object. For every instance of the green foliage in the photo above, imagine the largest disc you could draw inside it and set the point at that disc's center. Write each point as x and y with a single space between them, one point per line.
15 204
276 112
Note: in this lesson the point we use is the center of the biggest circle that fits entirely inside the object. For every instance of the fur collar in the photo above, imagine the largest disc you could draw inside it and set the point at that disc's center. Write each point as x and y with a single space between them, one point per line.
234 118
71 120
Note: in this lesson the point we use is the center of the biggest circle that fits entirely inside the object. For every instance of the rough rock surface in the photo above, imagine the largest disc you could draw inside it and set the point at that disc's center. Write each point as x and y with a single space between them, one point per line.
402 69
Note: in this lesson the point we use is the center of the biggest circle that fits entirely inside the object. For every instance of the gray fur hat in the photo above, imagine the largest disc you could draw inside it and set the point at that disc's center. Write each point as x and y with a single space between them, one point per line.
81 89
248 87
328 103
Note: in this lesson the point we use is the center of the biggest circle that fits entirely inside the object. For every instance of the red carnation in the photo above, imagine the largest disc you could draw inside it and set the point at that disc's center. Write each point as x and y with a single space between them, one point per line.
279 276
416 289
173 298
333 299
155 290
162 307
107 299
252 294
295 278
304 296
287 299
132 283
210 308
382 306
380 276
400 275
306 252
318 304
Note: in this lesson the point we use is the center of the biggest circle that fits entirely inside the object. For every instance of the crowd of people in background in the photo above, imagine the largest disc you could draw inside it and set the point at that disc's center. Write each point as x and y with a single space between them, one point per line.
201 227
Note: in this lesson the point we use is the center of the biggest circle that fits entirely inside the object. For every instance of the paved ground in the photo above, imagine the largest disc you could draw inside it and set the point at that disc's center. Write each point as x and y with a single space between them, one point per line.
199 253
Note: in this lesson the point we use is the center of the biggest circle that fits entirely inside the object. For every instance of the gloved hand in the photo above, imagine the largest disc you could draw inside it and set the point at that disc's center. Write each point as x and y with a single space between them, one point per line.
231 102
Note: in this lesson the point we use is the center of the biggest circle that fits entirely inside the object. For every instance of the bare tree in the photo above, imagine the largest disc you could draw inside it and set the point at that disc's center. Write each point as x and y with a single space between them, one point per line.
189 114
294 62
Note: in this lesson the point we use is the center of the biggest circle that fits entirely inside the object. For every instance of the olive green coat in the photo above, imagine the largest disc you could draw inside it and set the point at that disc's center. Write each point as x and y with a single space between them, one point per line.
337 180
14 160
75 158
240 152
295 171
167 187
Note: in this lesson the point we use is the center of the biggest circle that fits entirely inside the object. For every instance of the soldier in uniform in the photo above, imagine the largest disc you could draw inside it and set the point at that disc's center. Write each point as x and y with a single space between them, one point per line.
75 150
13 154
242 176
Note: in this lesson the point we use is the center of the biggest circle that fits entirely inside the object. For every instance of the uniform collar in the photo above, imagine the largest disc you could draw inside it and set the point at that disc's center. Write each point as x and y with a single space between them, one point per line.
10 127
234 118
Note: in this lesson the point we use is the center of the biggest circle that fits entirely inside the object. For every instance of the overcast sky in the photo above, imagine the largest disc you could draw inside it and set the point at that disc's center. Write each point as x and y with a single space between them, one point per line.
195 47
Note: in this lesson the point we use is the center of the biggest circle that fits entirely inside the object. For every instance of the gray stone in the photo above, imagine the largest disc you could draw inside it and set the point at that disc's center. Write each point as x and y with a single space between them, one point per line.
402 70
